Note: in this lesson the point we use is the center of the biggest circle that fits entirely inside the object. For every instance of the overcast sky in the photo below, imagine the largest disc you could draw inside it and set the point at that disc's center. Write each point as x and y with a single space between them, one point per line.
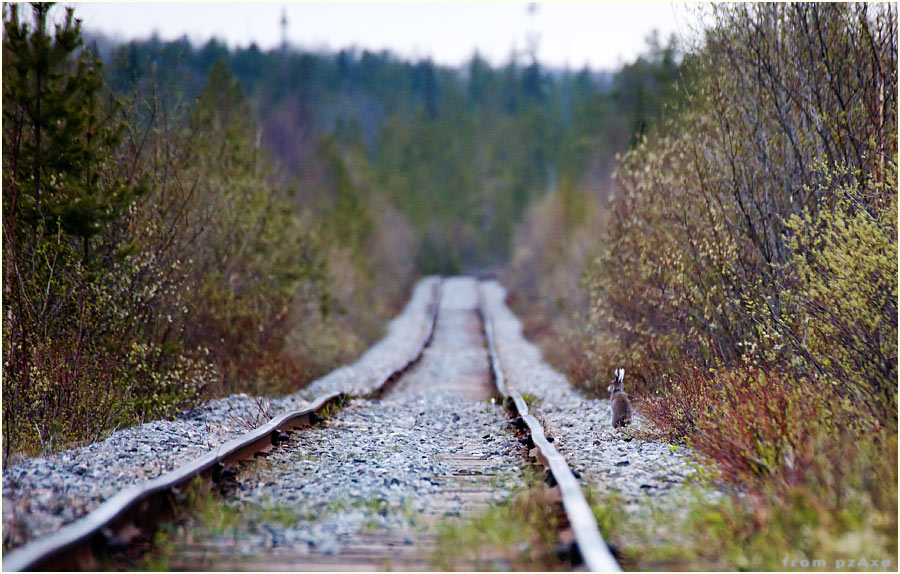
600 34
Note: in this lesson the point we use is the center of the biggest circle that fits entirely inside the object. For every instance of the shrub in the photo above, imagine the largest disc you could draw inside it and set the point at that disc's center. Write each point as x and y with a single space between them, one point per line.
840 318
749 274
75 299
698 245
815 478
152 257
553 245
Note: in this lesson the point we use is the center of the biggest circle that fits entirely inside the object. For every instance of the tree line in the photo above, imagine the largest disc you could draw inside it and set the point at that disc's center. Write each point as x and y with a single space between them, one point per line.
182 222
460 152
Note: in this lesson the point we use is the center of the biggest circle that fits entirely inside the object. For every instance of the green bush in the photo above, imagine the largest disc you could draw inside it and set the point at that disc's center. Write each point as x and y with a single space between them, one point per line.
698 257
841 302
155 258
76 296
747 277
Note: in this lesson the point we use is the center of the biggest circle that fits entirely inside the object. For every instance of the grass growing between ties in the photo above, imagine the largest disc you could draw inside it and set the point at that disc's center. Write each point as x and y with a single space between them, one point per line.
205 519
517 534
330 410
378 512
215 533
530 399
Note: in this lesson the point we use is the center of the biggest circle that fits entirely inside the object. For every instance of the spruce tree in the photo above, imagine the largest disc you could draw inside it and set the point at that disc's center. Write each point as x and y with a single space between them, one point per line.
63 198
57 134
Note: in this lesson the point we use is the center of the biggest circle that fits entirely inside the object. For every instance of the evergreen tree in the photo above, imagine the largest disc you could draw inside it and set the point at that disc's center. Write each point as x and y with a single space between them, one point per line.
57 134
64 328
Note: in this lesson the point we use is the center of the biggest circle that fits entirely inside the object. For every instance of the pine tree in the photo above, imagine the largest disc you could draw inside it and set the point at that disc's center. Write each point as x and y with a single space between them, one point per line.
57 134
63 197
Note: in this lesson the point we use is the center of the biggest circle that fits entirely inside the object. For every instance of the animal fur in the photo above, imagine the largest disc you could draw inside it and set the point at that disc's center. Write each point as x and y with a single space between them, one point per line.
618 401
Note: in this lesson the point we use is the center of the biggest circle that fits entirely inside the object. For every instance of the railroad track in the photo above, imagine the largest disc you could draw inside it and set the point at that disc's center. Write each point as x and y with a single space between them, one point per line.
466 482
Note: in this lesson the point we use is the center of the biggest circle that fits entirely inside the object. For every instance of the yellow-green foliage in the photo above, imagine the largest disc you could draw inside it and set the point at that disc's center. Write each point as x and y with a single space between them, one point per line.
665 280
842 321
748 276
698 261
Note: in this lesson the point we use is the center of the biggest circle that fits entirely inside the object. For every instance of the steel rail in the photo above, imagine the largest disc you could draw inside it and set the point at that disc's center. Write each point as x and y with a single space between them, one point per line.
386 382
594 551
111 524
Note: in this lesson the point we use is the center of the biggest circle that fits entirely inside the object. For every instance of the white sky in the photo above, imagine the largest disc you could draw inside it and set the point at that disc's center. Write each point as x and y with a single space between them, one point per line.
600 34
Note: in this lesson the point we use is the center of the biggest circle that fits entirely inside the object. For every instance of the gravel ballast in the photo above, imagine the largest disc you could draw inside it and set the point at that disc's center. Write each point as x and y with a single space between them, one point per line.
381 471
610 462
42 494
379 465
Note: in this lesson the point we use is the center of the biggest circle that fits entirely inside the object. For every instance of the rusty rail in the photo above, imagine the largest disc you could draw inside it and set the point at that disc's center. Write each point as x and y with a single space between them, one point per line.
113 522
137 508
385 383
591 546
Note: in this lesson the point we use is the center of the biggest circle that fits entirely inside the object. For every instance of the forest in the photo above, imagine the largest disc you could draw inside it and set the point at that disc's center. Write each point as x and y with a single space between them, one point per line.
718 217
176 216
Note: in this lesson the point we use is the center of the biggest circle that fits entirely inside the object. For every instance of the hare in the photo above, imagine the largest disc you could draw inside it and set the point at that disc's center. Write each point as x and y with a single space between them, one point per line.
618 401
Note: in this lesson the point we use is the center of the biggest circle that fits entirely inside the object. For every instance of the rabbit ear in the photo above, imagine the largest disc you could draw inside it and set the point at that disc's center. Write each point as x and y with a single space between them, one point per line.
620 375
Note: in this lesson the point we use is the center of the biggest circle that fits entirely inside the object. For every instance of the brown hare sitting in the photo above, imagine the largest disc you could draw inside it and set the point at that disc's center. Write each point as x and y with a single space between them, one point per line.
618 401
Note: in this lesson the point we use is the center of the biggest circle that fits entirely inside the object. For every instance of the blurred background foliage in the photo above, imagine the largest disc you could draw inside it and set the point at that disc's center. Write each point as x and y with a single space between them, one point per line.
183 222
